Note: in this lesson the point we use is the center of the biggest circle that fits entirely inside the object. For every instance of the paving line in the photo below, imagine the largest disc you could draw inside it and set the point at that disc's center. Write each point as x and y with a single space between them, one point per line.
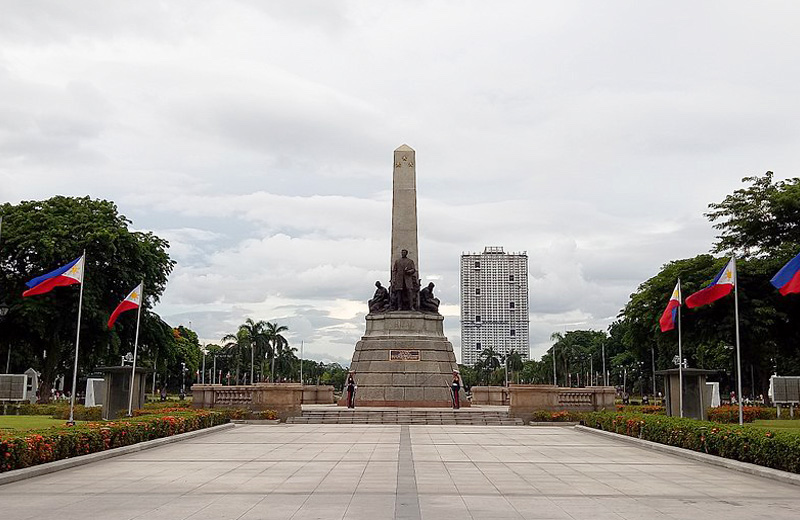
406 506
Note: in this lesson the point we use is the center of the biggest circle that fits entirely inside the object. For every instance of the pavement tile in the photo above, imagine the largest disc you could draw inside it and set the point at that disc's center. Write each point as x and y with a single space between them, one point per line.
350 472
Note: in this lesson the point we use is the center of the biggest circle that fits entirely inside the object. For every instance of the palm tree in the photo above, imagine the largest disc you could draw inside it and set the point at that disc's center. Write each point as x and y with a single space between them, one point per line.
488 361
257 336
514 363
277 343
235 344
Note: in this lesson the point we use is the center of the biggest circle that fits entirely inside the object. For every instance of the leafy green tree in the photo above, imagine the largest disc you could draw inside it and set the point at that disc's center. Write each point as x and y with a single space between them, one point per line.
39 236
577 352
469 375
759 219
537 372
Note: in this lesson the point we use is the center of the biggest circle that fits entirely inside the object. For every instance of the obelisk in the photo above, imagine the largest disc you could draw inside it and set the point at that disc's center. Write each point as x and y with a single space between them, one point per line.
404 358
404 206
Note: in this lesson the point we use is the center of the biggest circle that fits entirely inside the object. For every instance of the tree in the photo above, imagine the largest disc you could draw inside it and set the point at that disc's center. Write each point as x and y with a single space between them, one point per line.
277 343
236 345
576 352
39 236
760 219
488 362
513 362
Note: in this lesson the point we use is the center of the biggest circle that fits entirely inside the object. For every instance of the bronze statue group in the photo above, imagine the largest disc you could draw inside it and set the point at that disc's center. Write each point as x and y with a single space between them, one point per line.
404 292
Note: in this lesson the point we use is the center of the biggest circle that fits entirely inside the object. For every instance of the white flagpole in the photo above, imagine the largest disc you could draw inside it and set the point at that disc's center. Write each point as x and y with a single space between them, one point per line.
77 344
680 354
301 362
135 349
738 350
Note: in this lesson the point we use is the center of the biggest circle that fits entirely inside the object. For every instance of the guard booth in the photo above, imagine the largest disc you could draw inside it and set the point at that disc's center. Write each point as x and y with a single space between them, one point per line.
117 390
696 394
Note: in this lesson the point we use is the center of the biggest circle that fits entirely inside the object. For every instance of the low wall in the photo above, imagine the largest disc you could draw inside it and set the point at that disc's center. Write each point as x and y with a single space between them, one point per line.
318 394
527 399
490 395
284 398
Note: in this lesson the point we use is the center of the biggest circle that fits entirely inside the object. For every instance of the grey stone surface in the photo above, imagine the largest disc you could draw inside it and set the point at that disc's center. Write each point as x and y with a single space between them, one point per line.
376 472
404 205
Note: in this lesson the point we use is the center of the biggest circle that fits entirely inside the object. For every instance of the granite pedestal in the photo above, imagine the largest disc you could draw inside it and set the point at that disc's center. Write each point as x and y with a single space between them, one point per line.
404 359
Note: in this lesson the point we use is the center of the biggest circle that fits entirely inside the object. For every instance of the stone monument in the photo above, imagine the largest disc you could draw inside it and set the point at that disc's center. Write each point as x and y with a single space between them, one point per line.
404 358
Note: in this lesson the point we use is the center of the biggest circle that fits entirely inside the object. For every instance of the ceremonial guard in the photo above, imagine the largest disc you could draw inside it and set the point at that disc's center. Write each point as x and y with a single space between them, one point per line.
350 387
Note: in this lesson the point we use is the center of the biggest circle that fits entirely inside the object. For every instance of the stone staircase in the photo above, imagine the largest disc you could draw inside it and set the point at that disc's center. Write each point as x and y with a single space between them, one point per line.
432 416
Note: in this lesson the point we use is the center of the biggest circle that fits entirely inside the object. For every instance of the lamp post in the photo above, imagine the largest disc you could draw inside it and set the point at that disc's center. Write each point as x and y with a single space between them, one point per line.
3 313
603 353
183 380
203 379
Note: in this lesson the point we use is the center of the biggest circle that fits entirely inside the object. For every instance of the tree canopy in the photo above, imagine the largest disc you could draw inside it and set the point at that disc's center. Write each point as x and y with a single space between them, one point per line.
39 236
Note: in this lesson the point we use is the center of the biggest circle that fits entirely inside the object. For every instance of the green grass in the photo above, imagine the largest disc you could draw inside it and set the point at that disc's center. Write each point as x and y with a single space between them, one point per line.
778 424
18 423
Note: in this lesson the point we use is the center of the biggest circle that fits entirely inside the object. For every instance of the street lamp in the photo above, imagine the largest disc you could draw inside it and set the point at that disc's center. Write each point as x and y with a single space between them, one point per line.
183 380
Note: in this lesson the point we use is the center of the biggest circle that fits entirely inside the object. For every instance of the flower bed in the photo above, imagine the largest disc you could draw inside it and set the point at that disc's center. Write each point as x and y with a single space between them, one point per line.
778 449
32 448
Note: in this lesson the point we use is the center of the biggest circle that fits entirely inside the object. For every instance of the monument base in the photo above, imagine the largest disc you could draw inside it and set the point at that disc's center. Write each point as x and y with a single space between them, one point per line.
404 360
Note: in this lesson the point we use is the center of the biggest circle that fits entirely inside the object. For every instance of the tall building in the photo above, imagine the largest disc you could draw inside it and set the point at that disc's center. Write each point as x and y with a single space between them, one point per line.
494 303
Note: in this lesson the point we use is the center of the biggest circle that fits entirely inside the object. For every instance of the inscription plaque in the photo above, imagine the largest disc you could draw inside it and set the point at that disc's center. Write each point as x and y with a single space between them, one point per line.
404 355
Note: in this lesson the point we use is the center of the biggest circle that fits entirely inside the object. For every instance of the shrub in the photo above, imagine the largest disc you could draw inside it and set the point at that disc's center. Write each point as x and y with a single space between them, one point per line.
31 448
556 416
778 450
80 413
266 415
650 409
730 413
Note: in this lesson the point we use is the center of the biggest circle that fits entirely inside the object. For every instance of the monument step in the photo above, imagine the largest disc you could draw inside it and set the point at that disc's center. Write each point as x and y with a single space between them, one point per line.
469 416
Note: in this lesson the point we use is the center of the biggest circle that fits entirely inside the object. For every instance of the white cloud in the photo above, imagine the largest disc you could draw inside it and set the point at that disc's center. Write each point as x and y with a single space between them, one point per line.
257 137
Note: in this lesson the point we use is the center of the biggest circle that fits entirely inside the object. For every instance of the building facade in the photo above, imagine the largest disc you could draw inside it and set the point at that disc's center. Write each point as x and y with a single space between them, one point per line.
494 303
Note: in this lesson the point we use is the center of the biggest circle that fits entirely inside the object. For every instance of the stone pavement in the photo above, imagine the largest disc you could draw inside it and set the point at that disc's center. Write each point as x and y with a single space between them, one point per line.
398 471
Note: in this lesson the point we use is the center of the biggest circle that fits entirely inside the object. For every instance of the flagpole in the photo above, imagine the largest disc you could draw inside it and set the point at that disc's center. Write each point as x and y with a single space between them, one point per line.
680 356
77 344
738 350
301 361
135 349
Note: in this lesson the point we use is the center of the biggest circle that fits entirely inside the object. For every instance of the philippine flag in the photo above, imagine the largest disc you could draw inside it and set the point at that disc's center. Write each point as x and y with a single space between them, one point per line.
670 316
787 280
70 274
721 286
132 301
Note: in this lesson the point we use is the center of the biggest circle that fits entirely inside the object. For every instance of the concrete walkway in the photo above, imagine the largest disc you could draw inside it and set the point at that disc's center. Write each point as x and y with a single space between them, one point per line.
384 472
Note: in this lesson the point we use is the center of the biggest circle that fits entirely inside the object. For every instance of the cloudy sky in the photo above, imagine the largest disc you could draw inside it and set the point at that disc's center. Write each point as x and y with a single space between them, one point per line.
257 138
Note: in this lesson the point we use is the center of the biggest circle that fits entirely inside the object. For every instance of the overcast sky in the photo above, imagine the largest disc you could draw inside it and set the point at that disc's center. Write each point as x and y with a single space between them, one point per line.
257 138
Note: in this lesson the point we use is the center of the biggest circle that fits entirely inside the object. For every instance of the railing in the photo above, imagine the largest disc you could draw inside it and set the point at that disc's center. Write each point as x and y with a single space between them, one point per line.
234 396
576 398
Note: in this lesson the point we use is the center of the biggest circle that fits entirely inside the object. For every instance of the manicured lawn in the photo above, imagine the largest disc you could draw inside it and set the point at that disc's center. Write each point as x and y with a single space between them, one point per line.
28 422
778 424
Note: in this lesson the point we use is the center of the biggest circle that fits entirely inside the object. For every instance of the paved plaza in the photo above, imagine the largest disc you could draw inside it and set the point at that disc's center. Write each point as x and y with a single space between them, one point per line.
393 471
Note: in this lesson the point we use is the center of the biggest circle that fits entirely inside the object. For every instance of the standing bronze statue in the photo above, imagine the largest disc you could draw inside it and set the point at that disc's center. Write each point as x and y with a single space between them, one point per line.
404 284
380 301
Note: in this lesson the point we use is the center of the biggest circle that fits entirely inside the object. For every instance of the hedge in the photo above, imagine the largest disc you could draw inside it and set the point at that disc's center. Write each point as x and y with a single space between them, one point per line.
773 449
37 447
730 413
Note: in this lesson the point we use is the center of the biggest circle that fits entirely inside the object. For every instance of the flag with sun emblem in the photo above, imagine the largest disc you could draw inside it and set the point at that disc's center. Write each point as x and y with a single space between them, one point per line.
133 300
721 286
70 274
